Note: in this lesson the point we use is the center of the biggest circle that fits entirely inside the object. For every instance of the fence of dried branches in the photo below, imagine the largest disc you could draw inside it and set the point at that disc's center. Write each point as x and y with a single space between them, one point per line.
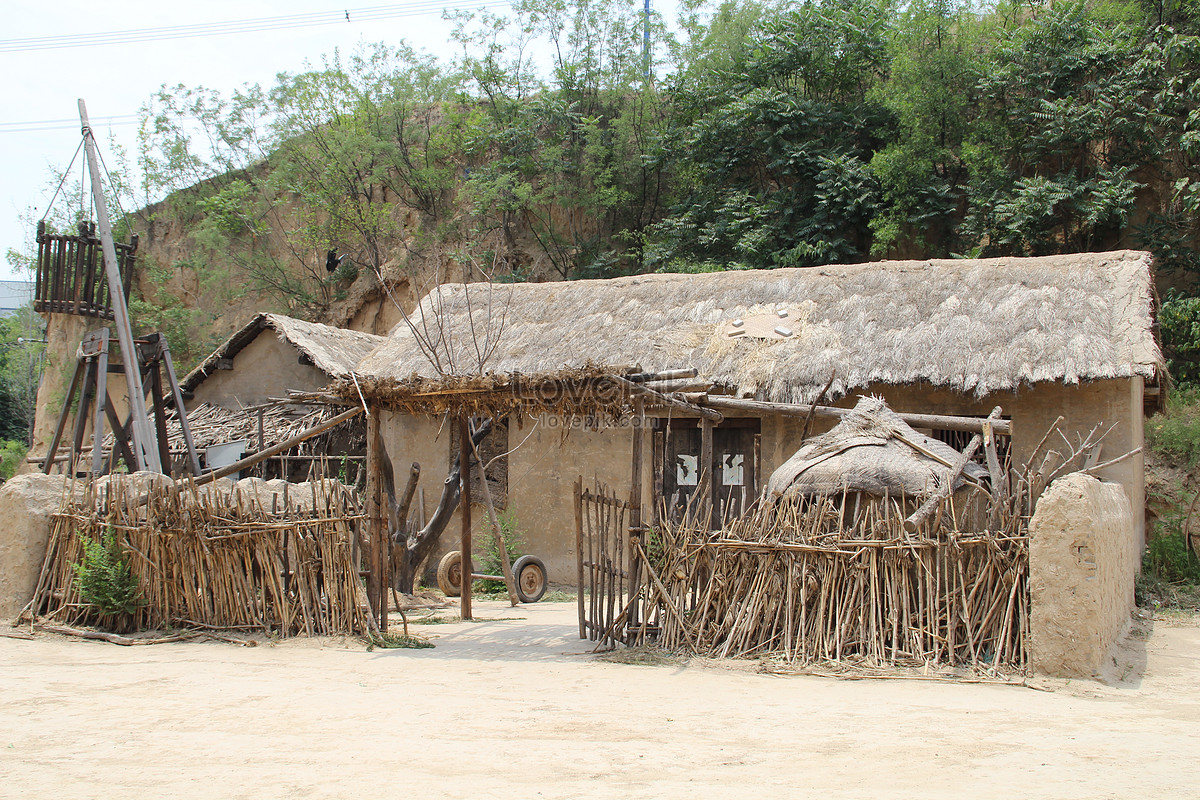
283 564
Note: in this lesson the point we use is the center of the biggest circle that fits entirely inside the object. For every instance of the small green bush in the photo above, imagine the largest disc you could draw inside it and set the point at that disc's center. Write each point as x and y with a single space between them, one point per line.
488 555
1170 560
1179 326
1174 433
105 579
12 453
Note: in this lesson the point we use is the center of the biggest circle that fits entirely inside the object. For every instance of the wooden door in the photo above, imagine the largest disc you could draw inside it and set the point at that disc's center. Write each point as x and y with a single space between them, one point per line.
734 466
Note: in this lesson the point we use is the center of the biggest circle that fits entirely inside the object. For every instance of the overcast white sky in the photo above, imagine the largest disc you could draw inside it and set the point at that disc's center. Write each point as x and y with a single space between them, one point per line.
39 127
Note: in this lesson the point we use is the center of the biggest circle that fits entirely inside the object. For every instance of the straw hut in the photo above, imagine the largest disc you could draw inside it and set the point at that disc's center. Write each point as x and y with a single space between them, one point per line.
871 451
1039 337
232 395
249 368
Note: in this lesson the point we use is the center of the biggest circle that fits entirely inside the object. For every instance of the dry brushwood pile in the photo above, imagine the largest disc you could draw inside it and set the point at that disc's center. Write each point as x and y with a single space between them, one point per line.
852 577
217 557
813 579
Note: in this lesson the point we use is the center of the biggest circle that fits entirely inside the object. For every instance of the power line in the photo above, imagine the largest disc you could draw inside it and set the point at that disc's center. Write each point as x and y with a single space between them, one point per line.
259 24
36 126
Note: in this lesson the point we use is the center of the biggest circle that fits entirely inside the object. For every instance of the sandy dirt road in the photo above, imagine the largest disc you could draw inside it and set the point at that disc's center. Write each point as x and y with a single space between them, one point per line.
515 709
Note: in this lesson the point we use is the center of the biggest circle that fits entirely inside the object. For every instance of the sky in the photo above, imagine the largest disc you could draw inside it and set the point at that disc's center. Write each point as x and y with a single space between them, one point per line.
39 116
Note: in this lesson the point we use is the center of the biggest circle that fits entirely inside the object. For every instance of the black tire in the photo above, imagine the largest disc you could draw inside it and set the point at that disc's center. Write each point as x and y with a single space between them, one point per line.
449 574
529 574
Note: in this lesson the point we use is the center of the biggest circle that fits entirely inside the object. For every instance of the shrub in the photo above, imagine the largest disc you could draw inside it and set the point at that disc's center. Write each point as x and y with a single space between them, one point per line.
12 453
488 554
1174 433
105 579
1179 326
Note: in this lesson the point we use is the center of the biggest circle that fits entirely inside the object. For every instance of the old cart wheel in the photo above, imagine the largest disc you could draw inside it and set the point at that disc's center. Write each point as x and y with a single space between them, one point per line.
529 573
449 574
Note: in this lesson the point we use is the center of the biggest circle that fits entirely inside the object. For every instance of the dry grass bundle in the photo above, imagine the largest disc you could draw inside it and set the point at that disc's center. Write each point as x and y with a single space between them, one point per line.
216 559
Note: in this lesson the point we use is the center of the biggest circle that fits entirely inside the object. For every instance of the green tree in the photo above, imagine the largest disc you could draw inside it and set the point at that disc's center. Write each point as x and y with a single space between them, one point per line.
773 154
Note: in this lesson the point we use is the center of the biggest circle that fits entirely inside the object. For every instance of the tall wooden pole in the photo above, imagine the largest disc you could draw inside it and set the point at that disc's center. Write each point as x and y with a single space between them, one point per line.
707 501
376 530
636 534
464 549
144 446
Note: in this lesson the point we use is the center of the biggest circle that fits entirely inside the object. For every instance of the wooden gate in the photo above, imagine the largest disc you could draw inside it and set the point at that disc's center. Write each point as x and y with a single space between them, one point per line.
603 559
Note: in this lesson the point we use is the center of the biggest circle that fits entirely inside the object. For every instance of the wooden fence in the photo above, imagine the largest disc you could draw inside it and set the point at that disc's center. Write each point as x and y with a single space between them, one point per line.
603 558
279 564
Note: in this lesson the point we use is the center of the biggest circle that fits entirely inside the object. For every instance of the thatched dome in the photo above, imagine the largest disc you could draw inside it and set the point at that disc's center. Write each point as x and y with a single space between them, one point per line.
870 451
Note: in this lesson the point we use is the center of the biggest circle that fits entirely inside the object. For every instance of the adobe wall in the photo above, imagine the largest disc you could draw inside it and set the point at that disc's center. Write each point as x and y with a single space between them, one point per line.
543 468
1082 563
267 367
26 505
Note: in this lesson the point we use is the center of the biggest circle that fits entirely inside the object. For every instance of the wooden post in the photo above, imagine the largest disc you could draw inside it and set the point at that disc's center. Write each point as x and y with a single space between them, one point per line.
143 436
101 400
579 554
375 527
706 478
635 508
657 465
464 549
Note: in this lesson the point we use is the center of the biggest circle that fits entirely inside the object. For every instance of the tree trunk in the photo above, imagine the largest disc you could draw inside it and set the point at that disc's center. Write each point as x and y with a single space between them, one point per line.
410 548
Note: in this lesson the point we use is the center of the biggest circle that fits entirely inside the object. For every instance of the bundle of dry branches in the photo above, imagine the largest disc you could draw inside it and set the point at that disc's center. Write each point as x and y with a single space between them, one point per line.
830 578
216 559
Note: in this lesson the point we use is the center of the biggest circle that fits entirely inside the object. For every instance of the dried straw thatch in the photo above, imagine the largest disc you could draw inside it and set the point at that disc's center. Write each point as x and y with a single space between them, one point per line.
969 325
873 451
334 351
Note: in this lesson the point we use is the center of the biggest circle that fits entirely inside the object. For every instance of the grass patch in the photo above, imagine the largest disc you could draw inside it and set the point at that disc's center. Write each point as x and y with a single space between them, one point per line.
551 595
643 656
1158 594
394 641
1174 432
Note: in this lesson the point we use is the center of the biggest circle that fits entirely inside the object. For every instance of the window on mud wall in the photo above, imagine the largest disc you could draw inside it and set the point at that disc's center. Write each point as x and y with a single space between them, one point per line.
960 439
493 445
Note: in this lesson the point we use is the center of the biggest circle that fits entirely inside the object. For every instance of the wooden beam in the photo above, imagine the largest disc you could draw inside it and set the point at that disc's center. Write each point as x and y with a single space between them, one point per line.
274 450
940 421
674 402
579 555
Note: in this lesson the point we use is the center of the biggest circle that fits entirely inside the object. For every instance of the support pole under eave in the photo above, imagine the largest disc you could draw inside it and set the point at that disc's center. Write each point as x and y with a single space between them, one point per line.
376 529
465 561
636 537
145 449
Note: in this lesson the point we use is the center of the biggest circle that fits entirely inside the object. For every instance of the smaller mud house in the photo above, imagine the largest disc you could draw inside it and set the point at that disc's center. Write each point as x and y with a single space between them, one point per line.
1067 336
230 395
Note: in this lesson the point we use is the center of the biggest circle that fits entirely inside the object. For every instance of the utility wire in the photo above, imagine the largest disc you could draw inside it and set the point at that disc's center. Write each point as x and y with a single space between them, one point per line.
35 126
136 35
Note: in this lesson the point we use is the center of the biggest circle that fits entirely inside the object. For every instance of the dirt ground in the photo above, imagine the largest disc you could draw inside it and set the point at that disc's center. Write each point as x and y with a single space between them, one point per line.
515 707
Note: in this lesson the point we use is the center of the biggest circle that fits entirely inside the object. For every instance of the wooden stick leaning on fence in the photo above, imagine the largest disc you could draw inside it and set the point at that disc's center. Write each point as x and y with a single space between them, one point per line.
935 499
497 532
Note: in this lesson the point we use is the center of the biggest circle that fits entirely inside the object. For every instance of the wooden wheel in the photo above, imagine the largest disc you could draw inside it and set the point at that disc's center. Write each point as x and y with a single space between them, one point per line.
449 574
529 573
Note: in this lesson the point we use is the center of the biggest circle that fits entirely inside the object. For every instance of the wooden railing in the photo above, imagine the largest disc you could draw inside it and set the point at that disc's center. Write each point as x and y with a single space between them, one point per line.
70 272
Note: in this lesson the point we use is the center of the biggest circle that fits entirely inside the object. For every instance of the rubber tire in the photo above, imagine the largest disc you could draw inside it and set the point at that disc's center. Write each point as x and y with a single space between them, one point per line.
449 574
531 570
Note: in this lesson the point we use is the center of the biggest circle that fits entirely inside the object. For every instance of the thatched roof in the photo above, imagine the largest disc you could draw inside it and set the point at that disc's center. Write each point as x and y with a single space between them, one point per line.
974 326
871 450
334 351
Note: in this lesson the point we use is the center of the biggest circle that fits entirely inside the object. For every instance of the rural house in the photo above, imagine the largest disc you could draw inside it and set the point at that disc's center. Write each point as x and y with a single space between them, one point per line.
1039 337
